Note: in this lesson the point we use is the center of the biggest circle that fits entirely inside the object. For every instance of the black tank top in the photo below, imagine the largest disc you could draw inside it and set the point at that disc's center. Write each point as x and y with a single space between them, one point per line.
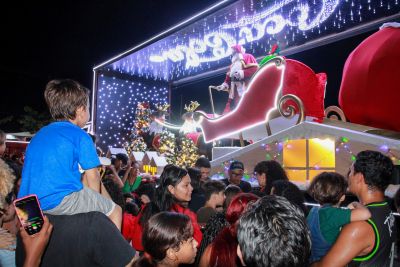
382 222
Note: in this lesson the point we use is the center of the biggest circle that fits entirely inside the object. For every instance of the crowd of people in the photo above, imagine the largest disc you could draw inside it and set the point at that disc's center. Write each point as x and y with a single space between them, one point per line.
110 214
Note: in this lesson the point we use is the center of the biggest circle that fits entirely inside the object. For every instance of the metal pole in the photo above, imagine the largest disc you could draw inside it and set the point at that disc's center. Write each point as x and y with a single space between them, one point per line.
211 98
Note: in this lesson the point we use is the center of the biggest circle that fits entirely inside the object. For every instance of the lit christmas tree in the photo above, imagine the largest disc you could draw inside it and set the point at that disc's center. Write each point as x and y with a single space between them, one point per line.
168 146
140 127
142 119
137 145
187 156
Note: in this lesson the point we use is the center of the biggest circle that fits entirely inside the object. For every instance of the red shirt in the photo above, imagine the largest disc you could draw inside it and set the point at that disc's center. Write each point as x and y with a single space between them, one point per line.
128 221
132 230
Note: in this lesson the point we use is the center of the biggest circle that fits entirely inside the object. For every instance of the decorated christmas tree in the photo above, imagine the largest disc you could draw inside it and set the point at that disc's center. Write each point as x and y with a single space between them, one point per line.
137 145
140 127
168 146
142 119
187 156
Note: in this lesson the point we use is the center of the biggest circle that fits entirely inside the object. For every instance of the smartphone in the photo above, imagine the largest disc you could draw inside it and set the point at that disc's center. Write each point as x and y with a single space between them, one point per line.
29 213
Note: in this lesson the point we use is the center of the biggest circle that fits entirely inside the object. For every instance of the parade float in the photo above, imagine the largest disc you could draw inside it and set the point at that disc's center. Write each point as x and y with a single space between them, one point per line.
281 113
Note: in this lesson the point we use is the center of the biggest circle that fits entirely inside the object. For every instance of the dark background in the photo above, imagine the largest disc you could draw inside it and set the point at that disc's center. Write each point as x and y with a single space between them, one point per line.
43 40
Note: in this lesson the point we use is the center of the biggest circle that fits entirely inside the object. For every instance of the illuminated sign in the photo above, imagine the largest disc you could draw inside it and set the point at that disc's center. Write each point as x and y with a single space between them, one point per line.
249 29
205 44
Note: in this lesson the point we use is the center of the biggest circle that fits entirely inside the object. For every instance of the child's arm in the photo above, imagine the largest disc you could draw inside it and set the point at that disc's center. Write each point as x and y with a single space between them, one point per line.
359 212
115 176
127 171
93 179
126 174
246 66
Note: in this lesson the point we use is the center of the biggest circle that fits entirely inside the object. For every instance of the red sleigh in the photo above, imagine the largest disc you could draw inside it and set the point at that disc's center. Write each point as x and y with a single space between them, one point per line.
281 86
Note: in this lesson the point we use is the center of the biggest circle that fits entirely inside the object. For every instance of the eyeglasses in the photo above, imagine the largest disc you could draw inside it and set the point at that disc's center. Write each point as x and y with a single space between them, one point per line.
237 174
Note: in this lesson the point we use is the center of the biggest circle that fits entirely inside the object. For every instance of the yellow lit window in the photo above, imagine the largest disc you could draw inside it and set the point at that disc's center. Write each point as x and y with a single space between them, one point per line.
303 159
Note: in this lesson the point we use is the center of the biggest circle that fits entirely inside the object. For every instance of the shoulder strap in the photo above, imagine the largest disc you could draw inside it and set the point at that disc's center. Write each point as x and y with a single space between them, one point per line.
376 245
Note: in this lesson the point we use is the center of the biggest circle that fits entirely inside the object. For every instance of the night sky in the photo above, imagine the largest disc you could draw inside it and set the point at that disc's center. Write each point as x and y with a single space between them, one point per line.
43 40
66 39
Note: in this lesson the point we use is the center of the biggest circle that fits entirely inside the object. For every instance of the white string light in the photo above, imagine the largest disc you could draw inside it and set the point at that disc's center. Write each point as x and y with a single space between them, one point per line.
205 45
115 118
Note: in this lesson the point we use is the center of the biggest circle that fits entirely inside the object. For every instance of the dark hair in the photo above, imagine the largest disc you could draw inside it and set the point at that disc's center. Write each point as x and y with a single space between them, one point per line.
230 192
212 187
273 170
128 195
131 208
328 188
195 176
273 232
122 157
115 192
17 171
64 97
376 168
147 189
224 246
163 201
202 162
396 200
163 231
15 157
213 227
291 192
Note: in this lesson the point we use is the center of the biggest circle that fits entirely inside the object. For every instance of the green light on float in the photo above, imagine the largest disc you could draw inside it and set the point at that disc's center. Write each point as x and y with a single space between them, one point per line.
345 139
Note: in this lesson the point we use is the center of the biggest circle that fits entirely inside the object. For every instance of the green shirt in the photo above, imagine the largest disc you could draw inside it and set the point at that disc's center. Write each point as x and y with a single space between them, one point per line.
130 188
331 220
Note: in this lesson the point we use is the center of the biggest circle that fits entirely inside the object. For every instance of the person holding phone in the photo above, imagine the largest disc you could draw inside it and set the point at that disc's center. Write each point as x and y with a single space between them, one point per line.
84 239
58 151
29 213
35 245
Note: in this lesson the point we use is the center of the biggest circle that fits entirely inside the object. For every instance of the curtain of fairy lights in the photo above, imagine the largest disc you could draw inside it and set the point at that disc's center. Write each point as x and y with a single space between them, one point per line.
117 100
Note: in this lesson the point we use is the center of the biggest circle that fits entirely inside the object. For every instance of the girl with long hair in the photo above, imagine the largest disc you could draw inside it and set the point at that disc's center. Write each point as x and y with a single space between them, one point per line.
168 241
173 192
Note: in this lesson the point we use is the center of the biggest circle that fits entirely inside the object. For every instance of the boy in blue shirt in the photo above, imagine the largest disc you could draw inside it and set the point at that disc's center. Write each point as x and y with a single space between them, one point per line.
325 222
57 152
